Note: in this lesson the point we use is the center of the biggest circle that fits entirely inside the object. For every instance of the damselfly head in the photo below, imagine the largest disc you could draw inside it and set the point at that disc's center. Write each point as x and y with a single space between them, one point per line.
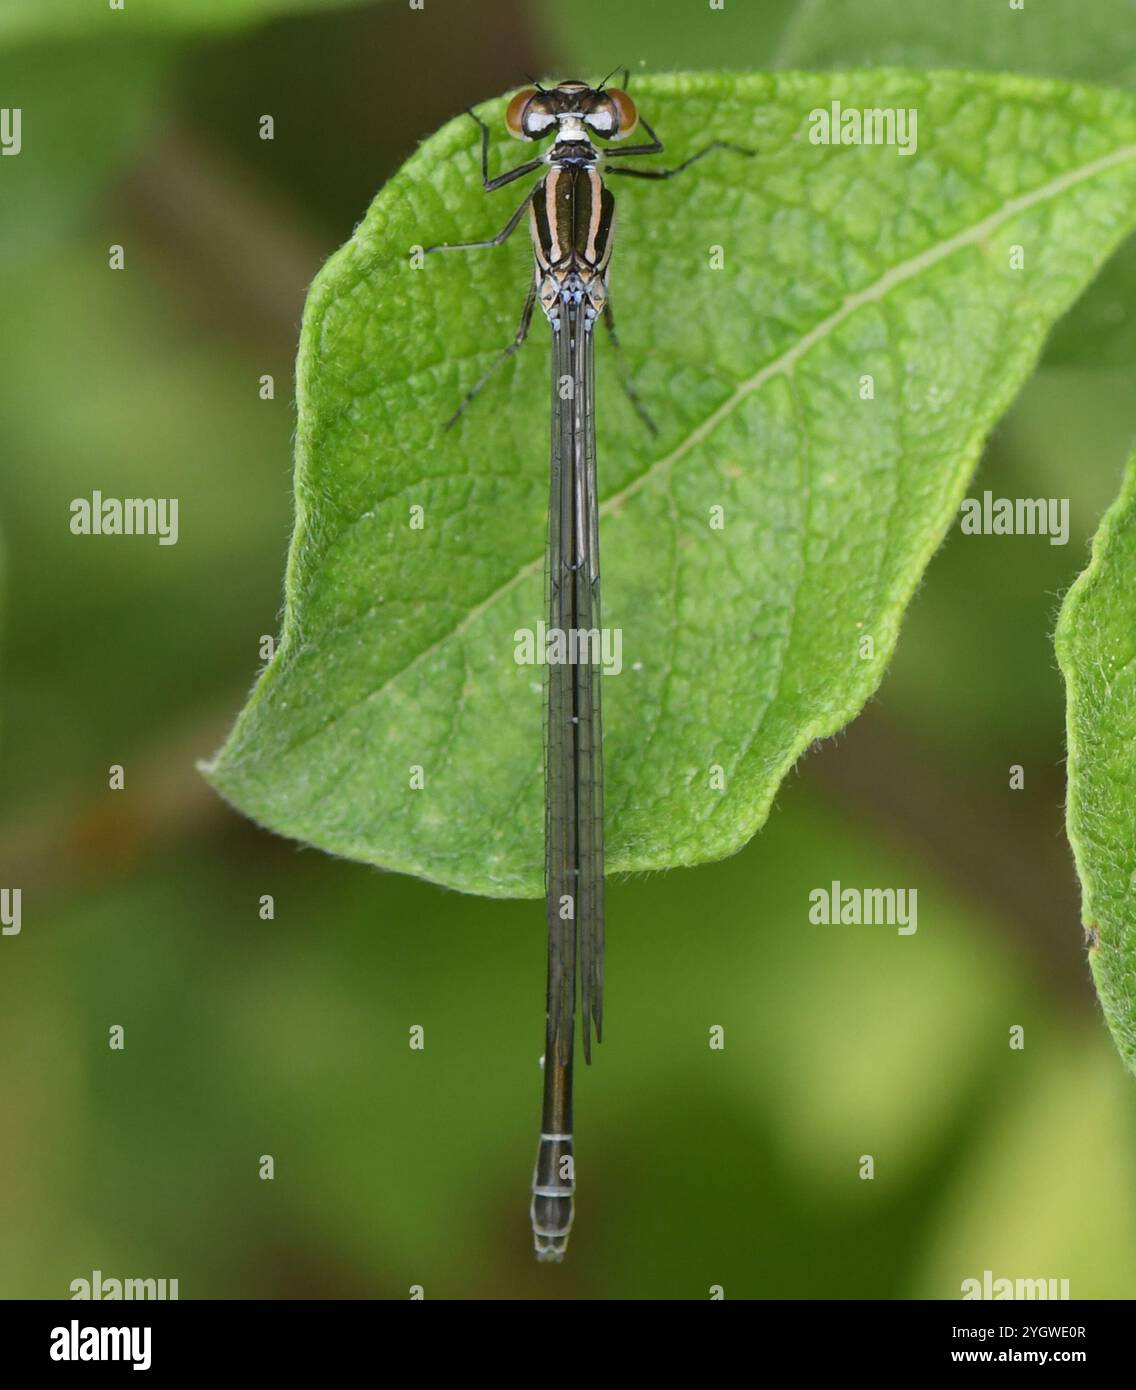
536 112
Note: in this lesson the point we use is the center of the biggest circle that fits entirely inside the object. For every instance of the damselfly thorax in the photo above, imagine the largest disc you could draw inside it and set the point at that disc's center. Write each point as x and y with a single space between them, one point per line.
572 216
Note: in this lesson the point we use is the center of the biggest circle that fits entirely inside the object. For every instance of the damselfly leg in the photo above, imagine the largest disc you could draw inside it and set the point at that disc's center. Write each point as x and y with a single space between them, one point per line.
625 371
505 354
502 236
656 147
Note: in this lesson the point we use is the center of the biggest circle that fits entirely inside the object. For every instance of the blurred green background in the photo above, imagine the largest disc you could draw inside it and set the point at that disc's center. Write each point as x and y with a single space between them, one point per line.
289 1037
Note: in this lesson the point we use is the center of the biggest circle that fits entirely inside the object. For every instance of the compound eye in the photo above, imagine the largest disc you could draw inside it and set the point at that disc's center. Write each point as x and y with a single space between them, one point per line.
627 117
515 114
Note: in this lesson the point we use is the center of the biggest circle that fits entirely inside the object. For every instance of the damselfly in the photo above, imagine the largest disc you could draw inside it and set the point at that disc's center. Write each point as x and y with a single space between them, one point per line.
571 215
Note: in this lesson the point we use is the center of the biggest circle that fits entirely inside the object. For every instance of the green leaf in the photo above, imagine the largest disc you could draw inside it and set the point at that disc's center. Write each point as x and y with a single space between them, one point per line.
1096 648
1052 38
742 645
19 19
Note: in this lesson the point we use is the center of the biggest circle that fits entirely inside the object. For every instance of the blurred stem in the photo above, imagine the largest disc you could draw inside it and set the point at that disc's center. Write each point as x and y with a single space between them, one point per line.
224 248
72 847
